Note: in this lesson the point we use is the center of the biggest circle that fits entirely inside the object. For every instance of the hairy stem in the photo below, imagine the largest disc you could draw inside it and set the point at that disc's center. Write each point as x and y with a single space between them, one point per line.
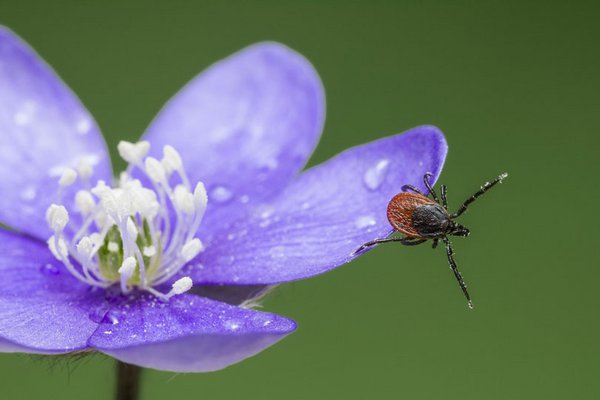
128 381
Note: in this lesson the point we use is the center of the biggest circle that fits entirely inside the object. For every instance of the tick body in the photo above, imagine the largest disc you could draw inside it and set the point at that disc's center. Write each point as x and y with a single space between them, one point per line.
420 218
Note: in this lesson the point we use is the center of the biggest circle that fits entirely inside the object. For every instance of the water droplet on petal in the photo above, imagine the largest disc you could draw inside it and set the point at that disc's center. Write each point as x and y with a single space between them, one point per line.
97 314
50 269
232 325
111 318
244 199
365 221
28 193
220 194
83 126
375 175
277 252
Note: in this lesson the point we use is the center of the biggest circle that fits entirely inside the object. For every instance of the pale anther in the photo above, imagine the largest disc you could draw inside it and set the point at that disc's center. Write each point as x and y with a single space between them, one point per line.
149 251
132 230
171 159
113 247
191 249
200 196
181 286
184 200
133 153
61 252
155 170
67 178
84 202
57 217
127 268
85 169
85 247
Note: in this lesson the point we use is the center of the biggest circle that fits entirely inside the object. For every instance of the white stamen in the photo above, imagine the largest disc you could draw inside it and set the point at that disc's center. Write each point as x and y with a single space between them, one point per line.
181 286
155 170
200 196
150 228
84 202
127 268
149 251
67 178
85 168
57 217
133 153
100 188
171 160
62 251
191 249
85 247
183 199
132 229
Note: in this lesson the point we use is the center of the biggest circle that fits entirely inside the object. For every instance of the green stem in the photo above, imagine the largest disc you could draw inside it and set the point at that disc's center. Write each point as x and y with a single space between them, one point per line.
128 381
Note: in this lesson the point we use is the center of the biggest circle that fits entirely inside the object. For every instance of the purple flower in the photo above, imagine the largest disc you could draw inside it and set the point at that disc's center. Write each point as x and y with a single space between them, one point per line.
92 263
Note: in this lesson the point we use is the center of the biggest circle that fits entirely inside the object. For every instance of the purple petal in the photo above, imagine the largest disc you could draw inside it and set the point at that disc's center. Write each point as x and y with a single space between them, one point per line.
323 217
187 334
244 126
43 309
43 129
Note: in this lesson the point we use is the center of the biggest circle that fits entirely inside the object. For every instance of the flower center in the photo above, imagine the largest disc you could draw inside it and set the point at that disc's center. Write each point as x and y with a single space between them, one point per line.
131 234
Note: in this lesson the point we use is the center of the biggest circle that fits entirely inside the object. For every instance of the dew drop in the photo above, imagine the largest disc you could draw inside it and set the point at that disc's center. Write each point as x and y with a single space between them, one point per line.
221 194
111 318
108 332
244 199
97 314
232 325
83 126
375 175
50 269
277 252
365 221
29 193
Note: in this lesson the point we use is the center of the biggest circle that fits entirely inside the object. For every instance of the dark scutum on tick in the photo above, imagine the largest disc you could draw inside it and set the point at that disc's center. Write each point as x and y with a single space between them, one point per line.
420 218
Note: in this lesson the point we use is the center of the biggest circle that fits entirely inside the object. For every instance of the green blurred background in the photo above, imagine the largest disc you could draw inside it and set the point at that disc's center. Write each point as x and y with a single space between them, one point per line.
513 84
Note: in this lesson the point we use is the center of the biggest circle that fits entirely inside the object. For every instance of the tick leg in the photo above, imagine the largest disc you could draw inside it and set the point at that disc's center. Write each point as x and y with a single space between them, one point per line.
444 191
404 241
412 242
428 186
459 278
406 188
435 243
487 186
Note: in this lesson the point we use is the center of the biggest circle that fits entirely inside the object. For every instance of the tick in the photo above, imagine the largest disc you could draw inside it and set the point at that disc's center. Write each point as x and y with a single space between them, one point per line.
421 218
